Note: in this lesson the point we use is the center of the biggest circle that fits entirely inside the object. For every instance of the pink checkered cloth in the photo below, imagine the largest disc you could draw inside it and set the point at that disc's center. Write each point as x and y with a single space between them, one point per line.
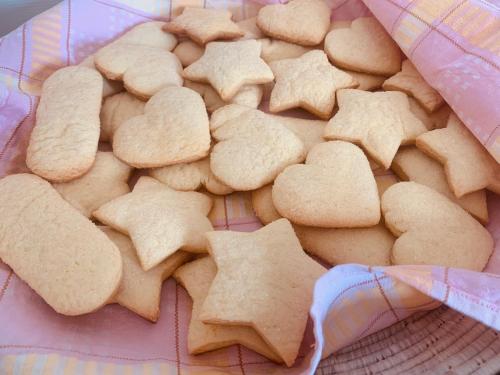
455 46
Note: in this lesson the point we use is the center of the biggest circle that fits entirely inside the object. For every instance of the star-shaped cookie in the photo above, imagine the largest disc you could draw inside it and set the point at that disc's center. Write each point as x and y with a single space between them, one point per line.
140 290
260 276
159 220
204 25
309 82
467 164
411 82
227 66
379 121
196 277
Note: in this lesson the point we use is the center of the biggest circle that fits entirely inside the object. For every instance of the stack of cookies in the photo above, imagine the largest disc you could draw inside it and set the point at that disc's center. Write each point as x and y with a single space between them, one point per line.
181 105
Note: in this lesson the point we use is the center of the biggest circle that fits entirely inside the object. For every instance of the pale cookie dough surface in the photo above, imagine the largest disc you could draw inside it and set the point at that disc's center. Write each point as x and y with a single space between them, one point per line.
228 66
106 180
411 82
159 220
432 230
308 82
242 292
303 22
144 70
190 176
252 149
116 110
64 141
188 52
250 28
174 129
57 251
412 164
310 132
196 277
109 87
364 47
379 121
275 49
334 189
467 164
140 290
371 246
149 34
367 82
248 95
204 25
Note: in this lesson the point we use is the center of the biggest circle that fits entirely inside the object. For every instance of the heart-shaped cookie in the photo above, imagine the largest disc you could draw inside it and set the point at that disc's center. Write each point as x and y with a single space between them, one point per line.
252 149
173 129
433 230
303 22
364 47
144 70
334 189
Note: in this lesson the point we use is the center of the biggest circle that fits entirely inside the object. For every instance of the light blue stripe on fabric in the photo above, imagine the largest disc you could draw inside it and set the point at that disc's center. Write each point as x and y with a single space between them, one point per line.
59 369
18 364
39 364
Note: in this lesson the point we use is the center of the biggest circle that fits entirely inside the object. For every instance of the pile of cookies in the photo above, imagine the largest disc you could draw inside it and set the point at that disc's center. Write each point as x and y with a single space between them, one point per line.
321 182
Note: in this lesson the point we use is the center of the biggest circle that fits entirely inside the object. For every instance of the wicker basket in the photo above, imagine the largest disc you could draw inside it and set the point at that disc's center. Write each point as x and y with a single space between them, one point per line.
441 341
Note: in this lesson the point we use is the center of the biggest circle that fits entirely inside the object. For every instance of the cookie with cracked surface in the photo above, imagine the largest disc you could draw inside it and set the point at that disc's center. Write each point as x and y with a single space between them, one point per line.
159 220
309 82
63 143
379 121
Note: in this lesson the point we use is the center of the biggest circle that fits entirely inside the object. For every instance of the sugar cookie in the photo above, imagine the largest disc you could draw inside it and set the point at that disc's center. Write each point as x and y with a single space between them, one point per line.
196 277
252 149
334 189
57 251
64 141
229 66
411 82
411 164
248 95
106 180
159 220
364 47
433 230
467 164
140 290
253 298
303 22
188 52
204 25
190 176
174 129
116 110
379 121
308 82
